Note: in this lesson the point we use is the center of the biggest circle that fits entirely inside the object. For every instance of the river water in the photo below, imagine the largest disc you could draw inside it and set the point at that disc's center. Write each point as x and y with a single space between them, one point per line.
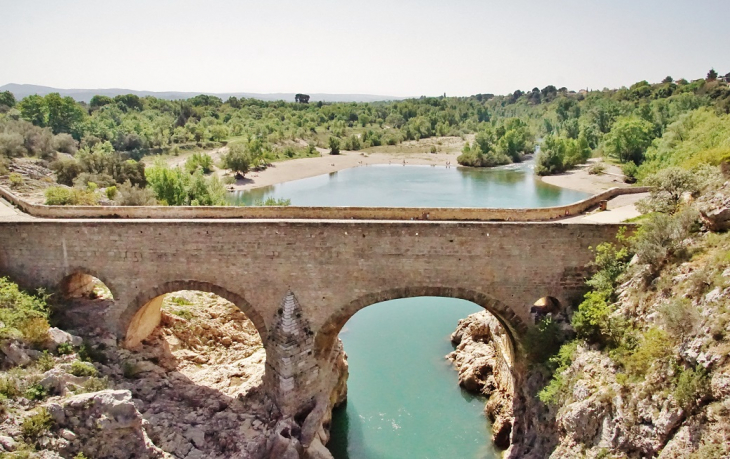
512 186
403 398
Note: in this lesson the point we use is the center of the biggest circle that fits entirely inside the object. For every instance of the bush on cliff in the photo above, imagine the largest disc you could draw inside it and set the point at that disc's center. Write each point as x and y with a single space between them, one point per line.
22 315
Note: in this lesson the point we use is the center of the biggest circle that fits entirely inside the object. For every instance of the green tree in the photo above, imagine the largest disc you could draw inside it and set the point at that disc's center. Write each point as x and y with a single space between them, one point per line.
34 109
100 101
334 144
711 75
629 138
7 99
63 113
238 159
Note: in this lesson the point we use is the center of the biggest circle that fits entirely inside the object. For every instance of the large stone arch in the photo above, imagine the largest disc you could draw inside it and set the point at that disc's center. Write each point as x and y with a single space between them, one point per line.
142 314
327 333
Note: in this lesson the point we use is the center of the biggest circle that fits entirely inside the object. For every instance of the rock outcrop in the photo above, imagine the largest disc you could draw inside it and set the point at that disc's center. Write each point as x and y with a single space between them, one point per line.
483 358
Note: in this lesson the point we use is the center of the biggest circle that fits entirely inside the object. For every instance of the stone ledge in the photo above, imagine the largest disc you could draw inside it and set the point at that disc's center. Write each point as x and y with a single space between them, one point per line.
317 213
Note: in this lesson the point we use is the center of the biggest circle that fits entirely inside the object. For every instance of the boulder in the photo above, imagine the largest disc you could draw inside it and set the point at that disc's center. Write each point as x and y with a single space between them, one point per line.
716 219
56 337
14 353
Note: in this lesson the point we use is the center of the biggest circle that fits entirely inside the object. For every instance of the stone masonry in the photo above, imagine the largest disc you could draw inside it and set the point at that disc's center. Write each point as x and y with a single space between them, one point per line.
301 280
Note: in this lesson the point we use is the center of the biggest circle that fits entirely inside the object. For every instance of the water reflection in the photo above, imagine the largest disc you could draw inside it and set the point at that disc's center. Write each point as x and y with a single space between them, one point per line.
512 186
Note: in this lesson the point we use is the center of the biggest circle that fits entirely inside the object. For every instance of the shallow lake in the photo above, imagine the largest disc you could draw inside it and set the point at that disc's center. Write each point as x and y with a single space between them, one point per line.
512 186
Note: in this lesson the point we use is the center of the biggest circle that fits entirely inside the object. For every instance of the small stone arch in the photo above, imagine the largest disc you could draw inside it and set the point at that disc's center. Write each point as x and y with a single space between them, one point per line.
81 283
143 314
514 326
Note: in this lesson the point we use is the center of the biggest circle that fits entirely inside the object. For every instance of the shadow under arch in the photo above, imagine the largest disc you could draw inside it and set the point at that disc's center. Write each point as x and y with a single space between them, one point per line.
80 282
514 326
142 315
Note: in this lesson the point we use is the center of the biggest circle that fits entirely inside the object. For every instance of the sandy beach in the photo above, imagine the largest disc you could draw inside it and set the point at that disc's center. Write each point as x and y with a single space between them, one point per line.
579 179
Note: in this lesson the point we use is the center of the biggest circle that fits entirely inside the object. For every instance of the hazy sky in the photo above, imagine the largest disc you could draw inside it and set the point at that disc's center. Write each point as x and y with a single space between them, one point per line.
386 47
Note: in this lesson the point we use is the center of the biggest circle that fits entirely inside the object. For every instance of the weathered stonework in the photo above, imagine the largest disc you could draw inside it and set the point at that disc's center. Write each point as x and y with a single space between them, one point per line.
300 281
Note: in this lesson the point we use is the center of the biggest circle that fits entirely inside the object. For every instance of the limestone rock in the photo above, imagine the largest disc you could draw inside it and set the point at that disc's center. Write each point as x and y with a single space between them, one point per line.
15 355
7 443
57 337
483 359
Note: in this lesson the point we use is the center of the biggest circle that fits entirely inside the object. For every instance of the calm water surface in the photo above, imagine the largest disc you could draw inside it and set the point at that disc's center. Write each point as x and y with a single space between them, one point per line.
403 398
512 186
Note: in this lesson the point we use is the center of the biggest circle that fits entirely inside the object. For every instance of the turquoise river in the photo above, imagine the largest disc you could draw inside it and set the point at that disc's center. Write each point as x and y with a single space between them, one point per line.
403 398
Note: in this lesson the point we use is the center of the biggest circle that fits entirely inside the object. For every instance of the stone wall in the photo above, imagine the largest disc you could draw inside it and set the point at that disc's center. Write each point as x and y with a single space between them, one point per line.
345 213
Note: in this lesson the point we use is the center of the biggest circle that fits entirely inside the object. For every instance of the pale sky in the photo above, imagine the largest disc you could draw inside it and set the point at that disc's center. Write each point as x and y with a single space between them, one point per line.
385 47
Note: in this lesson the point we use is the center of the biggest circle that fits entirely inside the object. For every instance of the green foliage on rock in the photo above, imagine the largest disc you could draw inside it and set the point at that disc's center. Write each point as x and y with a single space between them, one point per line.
79 368
22 315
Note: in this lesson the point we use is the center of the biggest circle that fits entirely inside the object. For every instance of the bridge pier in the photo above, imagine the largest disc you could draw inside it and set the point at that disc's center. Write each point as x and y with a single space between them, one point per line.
304 387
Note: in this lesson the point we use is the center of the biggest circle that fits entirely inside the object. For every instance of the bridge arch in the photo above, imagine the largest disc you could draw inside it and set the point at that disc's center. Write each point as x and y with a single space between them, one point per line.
80 283
328 332
143 313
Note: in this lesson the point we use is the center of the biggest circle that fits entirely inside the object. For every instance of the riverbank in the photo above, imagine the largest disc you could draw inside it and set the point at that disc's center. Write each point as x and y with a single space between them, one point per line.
580 180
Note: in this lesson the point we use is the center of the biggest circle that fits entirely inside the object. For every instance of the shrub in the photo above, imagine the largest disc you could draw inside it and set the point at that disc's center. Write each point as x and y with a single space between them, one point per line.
543 340
66 171
94 384
597 169
199 160
24 316
661 236
12 144
45 361
111 192
9 386
79 368
133 195
65 143
670 185
89 353
65 349
15 180
693 385
130 369
629 169
679 317
36 424
62 196
334 145
35 392
557 390
653 347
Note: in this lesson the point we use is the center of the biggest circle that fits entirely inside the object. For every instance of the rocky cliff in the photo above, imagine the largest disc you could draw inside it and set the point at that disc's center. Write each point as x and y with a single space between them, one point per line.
191 390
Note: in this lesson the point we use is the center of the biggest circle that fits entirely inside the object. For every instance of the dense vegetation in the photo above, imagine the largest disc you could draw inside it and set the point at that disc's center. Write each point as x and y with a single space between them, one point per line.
105 139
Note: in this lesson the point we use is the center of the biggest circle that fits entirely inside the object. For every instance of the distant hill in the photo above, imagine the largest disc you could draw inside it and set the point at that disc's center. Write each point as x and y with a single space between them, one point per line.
85 95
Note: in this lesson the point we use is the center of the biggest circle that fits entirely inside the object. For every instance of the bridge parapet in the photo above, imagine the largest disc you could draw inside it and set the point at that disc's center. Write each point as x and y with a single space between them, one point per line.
319 213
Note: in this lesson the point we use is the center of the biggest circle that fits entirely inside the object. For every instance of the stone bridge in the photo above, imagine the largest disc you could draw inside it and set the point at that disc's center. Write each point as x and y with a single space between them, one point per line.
301 280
